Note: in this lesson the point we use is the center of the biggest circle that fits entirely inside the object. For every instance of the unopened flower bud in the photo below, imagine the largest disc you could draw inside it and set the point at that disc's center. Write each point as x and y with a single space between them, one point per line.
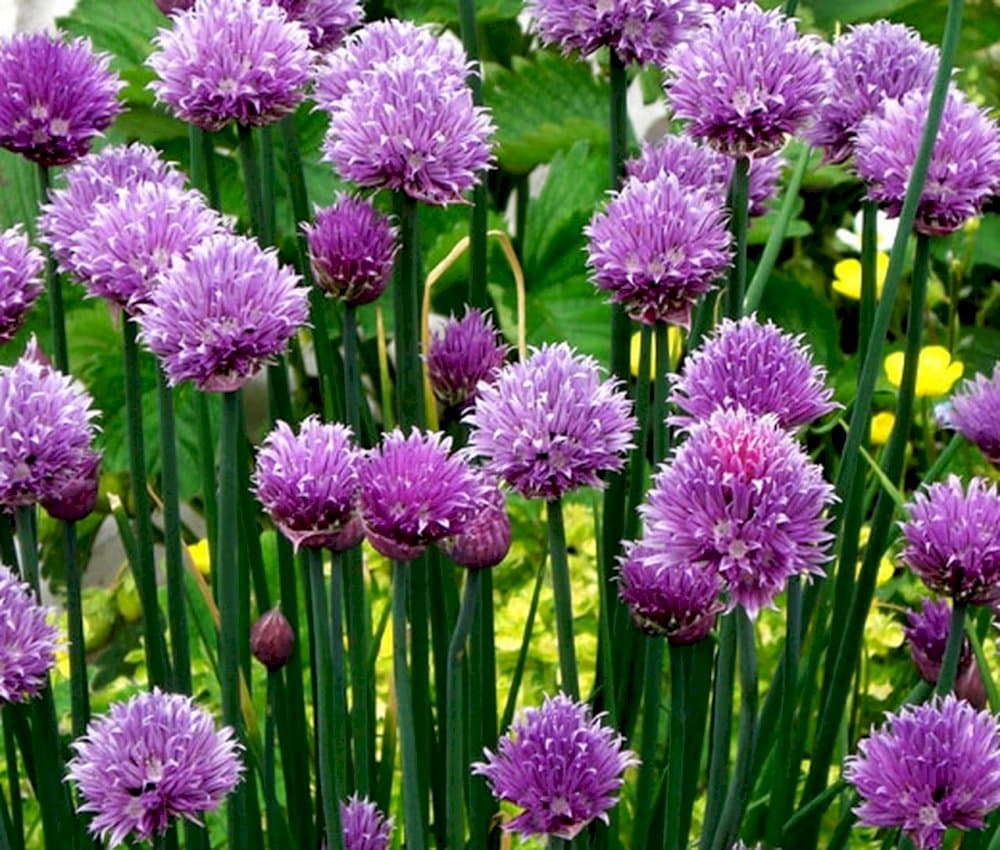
485 540
77 498
272 639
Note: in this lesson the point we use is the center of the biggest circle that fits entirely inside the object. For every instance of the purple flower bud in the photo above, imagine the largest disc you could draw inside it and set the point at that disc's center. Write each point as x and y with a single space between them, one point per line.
976 414
27 641
465 352
78 496
272 639
485 540
20 280
364 826
927 633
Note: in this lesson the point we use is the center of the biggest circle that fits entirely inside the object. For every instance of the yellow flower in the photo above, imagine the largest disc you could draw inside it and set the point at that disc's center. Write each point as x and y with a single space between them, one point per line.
847 276
936 371
200 556
881 427
674 344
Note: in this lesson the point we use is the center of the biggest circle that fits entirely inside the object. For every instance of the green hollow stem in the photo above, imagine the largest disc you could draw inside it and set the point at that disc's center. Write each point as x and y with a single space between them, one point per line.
359 628
412 801
698 687
406 306
13 778
650 733
352 369
24 526
563 598
722 721
678 752
869 274
952 650
251 179
7 835
739 194
270 770
57 317
79 691
267 186
206 466
341 746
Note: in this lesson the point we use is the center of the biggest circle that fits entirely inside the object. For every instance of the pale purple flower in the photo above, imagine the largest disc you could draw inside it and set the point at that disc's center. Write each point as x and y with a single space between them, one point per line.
272 639
220 315
485 540
975 413
28 640
659 247
352 250
326 21
308 484
231 60
964 170
549 424
463 353
21 267
927 769
364 826
927 634
952 537
78 497
46 428
746 80
57 95
415 492
755 366
151 760
869 63
560 765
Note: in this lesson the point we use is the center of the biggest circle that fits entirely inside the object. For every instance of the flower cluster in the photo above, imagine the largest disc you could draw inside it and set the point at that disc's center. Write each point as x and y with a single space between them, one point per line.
974 414
463 353
27 640
20 280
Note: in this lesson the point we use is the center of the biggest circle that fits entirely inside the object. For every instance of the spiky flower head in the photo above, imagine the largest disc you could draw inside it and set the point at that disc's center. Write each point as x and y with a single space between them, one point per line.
134 237
326 21
222 313
964 171
975 412
352 249
151 760
77 499
28 640
868 64
755 366
559 764
485 540
928 768
363 825
642 31
658 247
952 538
57 95
46 427
746 80
308 483
463 353
231 60
20 280
415 492
549 424
98 178
927 634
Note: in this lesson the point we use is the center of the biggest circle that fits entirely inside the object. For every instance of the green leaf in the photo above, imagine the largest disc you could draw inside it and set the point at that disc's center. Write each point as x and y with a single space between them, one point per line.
18 198
446 11
123 28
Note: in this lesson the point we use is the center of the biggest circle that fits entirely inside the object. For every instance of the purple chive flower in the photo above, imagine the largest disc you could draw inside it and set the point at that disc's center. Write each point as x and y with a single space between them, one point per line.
869 63
928 768
272 639
559 764
231 60
352 249
696 165
465 352
952 540
27 640
133 238
659 247
485 540
56 97
168 7
755 366
975 413
741 498
20 280
364 826
549 424
414 492
150 760
97 178
746 80
77 499
308 483
927 634
326 21
964 170
642 31
46 427
222 313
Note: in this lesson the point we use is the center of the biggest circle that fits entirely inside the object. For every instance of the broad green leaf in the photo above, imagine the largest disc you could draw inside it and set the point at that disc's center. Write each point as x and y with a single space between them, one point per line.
446 11
17 191
124 28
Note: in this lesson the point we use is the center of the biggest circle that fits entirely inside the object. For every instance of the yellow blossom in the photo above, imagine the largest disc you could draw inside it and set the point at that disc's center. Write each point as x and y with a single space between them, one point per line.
936 371
881 427
847 276
674 344
200 556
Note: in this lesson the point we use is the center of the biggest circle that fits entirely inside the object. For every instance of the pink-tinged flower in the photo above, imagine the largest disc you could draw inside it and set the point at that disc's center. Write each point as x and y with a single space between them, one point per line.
133 238
549 424
659 247
927 769
952 540
485 540
352 249
78 497
326 21
927 634
20 280
46 428
742 499
308 484
560 765
975 412
151 760
57 95
415 492
231 60
272 639
28 641
746 80
364 826
869 63
964 170
463 353
220 315
755 366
